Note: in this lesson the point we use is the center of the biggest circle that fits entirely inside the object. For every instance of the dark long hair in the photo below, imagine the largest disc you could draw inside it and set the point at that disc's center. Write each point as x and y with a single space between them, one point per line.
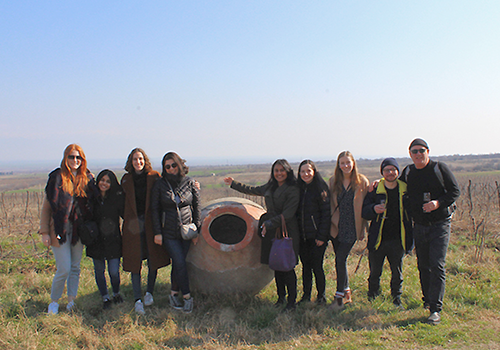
115 186
290 177
129 167
318 183
181 164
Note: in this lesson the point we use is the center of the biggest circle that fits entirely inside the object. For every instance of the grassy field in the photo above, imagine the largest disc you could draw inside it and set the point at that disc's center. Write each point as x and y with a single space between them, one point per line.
471 315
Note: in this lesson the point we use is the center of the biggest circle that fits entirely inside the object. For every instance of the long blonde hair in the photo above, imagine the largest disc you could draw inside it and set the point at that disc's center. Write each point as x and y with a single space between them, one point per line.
336 181
71 184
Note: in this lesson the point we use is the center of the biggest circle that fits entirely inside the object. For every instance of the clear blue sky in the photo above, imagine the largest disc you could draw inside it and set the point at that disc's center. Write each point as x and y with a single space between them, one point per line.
229 81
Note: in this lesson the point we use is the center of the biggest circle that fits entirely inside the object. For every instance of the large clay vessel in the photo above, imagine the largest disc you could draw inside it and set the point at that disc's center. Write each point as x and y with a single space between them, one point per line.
226 258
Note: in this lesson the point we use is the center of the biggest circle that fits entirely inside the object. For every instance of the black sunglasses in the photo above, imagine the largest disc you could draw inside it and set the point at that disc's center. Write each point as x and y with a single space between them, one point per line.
420 150
74 157
174 165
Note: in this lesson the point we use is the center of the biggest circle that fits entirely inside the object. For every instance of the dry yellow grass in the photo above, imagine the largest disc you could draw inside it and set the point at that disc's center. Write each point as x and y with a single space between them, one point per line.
471 318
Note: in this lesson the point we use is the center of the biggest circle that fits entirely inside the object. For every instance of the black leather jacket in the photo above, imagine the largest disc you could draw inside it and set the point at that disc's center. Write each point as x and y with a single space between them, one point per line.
164 212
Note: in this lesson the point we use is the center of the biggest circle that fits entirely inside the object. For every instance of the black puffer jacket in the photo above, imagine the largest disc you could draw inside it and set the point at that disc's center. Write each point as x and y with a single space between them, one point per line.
313 214
165 217
107 213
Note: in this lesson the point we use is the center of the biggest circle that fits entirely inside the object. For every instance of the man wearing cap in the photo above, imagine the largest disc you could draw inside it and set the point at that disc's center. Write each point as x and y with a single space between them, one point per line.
432 190
390 232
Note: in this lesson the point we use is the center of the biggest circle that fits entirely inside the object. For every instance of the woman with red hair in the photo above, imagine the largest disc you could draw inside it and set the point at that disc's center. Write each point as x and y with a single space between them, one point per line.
65 207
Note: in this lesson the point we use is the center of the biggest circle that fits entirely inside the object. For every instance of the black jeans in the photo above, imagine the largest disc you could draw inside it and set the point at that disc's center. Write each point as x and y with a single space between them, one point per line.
431 243
311 257
394 253
288 280
342 251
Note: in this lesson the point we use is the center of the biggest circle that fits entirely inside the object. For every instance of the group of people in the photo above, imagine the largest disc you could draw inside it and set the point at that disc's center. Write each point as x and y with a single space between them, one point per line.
153 208
407 209
404 208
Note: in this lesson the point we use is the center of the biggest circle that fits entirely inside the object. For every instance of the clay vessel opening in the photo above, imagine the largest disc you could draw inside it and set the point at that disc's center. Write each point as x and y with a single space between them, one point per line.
228 229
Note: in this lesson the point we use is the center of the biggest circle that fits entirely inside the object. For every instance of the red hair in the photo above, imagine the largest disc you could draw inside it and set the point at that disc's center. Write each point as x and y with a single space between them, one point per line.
74 185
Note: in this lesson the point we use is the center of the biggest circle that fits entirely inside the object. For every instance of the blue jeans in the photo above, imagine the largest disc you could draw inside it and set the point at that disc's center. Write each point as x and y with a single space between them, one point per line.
178 250
136 283
342 251
68 258
136 277
431 243
114 275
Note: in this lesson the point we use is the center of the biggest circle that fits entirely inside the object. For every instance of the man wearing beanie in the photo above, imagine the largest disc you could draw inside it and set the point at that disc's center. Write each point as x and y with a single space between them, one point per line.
390 232
432 190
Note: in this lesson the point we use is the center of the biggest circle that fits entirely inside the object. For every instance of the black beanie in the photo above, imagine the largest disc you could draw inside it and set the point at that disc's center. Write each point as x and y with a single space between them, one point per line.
389 161
419 142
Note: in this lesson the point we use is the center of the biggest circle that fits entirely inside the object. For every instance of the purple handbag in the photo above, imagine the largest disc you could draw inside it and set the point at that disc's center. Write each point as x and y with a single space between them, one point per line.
282 256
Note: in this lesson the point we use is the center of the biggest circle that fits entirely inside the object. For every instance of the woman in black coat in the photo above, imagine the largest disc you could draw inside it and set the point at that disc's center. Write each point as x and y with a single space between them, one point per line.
107 210
282 198
314 219
175 201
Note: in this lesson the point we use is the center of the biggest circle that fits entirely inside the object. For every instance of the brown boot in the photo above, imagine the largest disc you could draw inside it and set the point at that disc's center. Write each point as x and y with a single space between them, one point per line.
347 296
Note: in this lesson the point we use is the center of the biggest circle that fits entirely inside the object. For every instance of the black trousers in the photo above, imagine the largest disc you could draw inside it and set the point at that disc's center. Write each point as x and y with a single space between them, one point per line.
286 281
394 253
431 243
311 257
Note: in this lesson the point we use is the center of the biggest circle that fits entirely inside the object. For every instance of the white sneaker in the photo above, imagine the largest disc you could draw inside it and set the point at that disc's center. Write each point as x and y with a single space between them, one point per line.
148 299
53 308
139 307
71 306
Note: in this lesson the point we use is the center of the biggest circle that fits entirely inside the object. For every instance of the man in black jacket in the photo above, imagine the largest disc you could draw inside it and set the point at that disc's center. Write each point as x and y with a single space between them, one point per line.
432 190
390 232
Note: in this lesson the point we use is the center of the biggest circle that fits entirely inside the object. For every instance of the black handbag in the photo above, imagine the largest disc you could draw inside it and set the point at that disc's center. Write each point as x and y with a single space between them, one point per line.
88 232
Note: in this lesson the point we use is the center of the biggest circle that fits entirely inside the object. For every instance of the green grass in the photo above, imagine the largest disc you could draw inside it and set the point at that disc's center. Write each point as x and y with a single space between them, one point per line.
470 318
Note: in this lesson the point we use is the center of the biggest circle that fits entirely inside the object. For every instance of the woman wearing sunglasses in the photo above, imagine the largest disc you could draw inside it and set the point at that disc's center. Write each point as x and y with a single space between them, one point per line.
65 207
175 201
138 237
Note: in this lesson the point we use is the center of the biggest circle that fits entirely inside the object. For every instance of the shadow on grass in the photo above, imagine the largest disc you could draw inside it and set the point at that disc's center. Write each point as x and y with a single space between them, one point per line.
228 319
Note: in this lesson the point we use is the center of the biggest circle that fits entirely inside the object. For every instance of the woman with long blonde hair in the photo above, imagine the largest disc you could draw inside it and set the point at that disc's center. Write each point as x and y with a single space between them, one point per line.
65 207
347 191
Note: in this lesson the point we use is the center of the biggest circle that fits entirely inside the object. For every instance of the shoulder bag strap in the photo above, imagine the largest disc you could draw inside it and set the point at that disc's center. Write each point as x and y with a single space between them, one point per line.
284 231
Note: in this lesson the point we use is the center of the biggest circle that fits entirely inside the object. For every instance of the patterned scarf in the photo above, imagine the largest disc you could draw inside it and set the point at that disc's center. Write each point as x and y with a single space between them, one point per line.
65 208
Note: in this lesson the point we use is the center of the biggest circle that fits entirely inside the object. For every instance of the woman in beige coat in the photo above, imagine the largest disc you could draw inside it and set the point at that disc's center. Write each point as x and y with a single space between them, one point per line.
347 191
